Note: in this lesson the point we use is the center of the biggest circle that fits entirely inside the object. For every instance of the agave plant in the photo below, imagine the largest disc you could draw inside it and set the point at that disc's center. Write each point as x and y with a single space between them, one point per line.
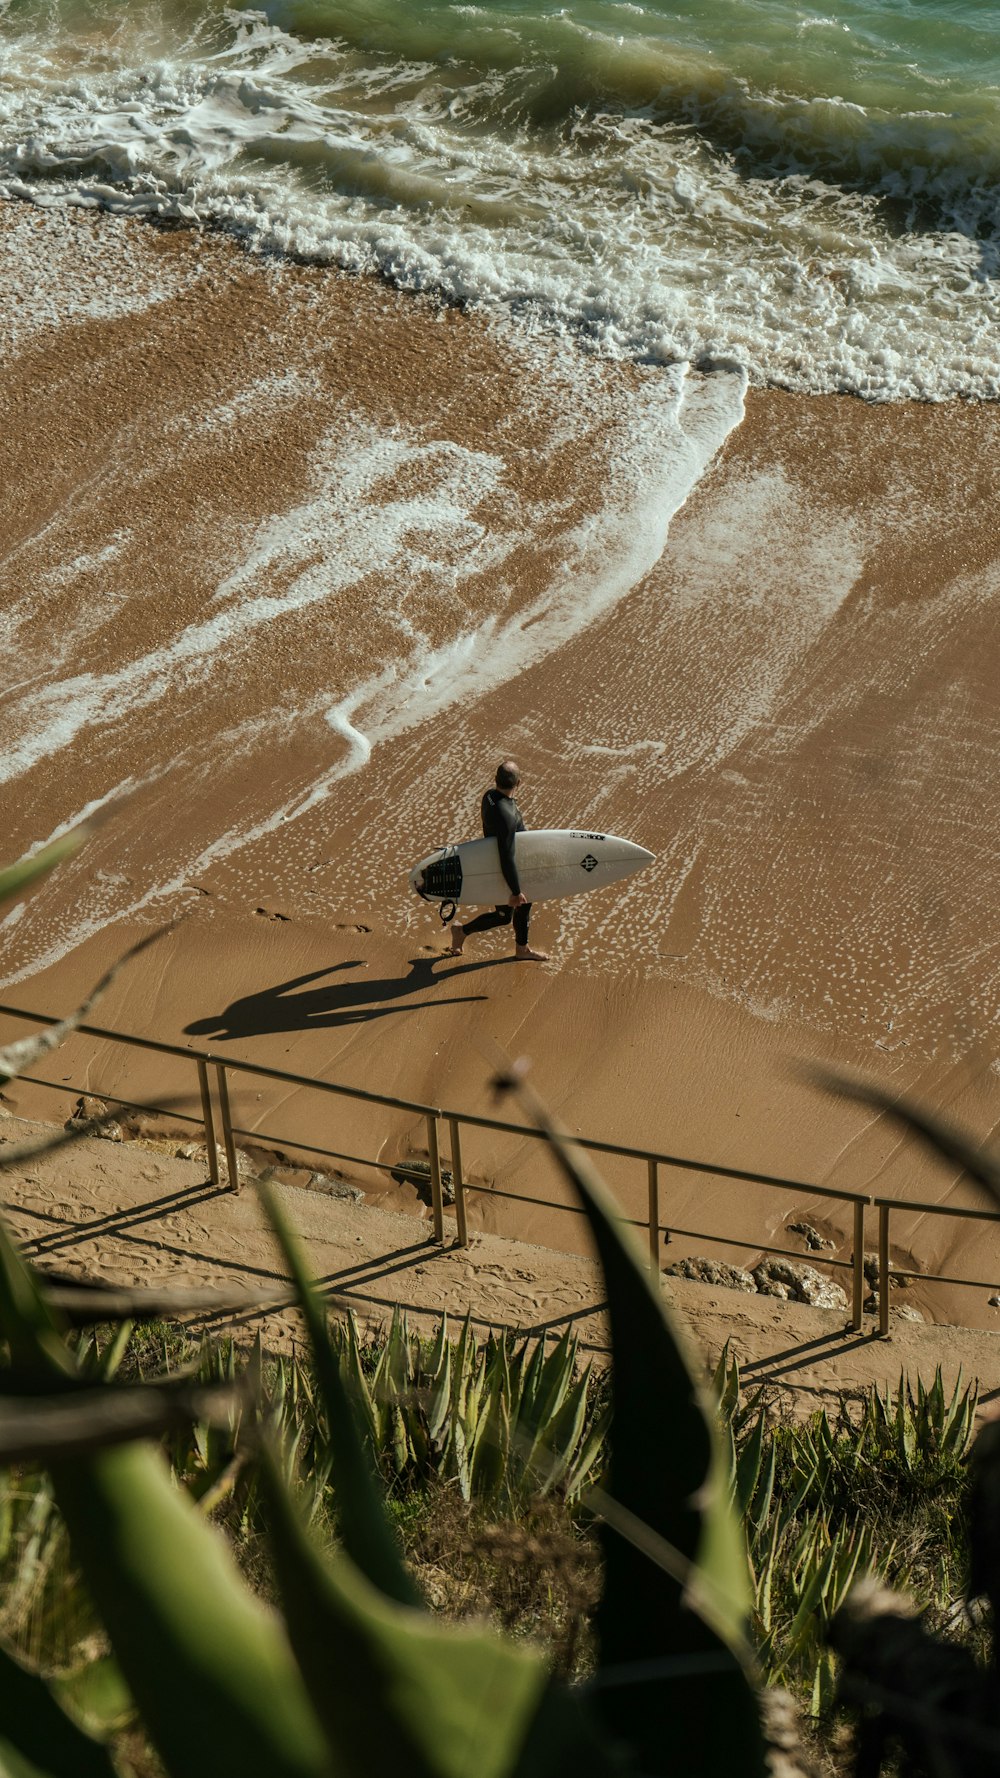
504 1419
812 1498
355 1674
923 1704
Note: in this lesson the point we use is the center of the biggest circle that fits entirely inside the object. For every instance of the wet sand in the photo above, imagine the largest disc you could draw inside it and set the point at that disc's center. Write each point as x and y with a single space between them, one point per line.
225 515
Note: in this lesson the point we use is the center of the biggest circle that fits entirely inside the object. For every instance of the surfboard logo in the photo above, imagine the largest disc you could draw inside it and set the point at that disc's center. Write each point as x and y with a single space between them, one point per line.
589 863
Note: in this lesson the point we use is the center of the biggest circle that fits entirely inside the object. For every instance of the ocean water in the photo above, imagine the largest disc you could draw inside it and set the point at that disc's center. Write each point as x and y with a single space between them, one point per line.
807 193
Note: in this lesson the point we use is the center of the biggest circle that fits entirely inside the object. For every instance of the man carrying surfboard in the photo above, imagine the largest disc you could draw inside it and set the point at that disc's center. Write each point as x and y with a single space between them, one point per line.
502 819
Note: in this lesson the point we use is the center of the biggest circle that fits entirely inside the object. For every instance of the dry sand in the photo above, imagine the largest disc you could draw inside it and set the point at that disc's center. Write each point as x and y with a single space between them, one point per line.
794 708
129 1215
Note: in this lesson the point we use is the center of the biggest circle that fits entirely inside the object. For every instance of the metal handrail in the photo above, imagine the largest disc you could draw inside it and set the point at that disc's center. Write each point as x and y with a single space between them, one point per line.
938 1209
885 1207
654 1159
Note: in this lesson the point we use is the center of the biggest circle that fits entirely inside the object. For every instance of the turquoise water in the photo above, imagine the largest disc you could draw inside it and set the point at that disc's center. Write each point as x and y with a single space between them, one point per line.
806 191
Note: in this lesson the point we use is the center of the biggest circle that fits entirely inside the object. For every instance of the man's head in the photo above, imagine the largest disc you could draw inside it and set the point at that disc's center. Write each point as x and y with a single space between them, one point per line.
508 776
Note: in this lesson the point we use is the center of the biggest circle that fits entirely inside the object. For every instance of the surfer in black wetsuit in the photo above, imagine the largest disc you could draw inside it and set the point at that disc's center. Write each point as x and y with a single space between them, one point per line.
502 819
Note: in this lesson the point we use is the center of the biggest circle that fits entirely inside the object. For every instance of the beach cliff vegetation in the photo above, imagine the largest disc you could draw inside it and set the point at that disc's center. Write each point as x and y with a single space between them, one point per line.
725 1551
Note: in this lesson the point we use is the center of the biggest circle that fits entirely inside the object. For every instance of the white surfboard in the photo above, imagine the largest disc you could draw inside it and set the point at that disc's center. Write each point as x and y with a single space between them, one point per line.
551 864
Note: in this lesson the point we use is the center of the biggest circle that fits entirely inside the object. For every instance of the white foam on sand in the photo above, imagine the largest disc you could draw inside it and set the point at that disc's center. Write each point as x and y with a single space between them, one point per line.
63 266
791 567
344 531
678 429
352 522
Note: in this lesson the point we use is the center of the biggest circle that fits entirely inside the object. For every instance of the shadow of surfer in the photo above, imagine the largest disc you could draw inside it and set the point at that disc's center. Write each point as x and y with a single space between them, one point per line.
286 1007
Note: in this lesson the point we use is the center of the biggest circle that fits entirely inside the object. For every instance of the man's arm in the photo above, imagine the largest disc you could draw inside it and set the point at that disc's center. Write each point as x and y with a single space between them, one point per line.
505 823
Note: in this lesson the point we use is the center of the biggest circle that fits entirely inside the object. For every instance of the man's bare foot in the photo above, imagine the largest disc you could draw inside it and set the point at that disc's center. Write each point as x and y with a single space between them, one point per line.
525 954
457 939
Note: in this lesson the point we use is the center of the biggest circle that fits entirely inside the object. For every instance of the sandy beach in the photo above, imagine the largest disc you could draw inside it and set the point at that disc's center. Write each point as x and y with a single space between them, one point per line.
293 559
135 1215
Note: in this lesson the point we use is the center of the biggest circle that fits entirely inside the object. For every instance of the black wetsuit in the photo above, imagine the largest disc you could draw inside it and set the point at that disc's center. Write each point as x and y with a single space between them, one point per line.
502 819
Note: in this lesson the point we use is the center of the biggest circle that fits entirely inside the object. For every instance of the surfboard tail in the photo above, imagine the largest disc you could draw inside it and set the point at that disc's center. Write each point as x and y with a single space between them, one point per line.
438 878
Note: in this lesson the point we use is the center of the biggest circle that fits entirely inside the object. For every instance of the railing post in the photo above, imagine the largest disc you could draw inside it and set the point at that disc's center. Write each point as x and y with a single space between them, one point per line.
653 1183
883 1270
232 1164
456 1168
437 1195
208 1119
859 1265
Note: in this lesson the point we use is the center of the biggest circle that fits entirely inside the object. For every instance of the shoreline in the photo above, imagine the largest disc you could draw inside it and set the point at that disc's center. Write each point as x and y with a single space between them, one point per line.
792 707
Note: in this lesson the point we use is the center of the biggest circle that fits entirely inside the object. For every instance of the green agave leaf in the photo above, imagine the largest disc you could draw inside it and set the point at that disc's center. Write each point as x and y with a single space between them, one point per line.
556 1377
178 1616
906 1435
416 1436
30 1326
463 1370
760 1505
728 1384
748 1465
29 1050
941 1135
401 1376
16 878
440 1354
593 1452
367 1534
396 1690
381 1379
96 1696
439 1399
553 1459
721 1372
38 1731
668 1484
472 1392
357 1385
401 1450
458 1462
14 1765
767 1569
950 1409
528 1415
184 1627
517 1365
490 1455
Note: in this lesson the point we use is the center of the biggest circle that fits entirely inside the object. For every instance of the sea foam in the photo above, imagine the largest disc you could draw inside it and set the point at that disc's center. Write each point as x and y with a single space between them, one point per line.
634 188
665 431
